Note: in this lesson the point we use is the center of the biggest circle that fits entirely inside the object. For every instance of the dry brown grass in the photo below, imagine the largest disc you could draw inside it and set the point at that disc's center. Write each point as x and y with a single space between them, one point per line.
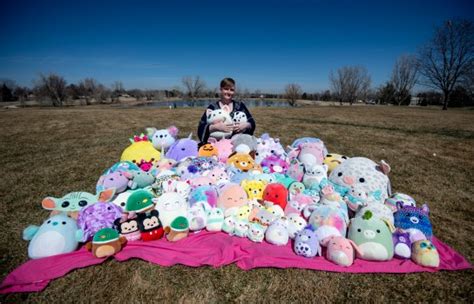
55 151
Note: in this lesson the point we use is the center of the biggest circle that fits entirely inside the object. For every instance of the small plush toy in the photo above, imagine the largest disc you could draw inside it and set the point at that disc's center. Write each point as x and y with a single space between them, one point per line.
118 180
277 194
200 181
73 202
296 223
295 188
205 195
178 229
296 170
333 160
267 146
163 179
150 226
219 175
58 234
231 198
121 199
265 217
297 203
139 201
340 250
128 227
274 164
239 117
224 148
162 139
284 180
197 217
164 164
256 232
373 236
241 161
141 179
208 150
215 219
254 188
170 205
106 242
219 115
425 254
277 233
243 213
97 216
404 199
229 224
241 227
307 243
201 164
182 148
415 221
122 166
315 174
180 187
401 244
356 198
244 143
141 152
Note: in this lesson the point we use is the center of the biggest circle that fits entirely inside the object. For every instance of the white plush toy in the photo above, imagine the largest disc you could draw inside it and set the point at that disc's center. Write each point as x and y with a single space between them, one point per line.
170 205
296 223
216 116
215 219
162 139
277 233
315 174
256 232
239 117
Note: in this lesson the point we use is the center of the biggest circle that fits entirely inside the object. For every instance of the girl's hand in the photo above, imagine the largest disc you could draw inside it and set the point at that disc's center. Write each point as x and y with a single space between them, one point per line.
241 127
220 126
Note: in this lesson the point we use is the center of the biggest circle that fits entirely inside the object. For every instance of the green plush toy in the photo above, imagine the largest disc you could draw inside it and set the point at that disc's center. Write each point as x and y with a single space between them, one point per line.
178 229
106 242
139 201
373 237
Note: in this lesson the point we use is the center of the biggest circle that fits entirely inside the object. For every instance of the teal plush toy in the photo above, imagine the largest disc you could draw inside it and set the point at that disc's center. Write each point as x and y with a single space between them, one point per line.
74 202
373 237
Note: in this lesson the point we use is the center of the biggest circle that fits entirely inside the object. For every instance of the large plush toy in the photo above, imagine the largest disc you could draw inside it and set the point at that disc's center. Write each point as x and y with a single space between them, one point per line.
326 221
182 148
340 250
219 115
309 153
231 198
333 160
178 229
150 225
366 175
97 216
106 242
73 202
373 237
277 194
170 205
425 254
224 148
118 180
162 139
277 233
274 164
415 221
127 226
141 152
307 243
58 234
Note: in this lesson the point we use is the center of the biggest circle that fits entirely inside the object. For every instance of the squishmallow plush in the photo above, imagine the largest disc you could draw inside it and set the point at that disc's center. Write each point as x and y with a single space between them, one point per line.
400 199
307 243
380 211
118 180
208 150
97 216
171 205
241 161
197 217
150 225
215 219
314 175
296 223
239 117
256 232
241 227
231 198
58 234
277 233
415 221
141 179
267 146
295 188
309 153
162 139
274 164
303 140
106 242
297 203
244 143
178 229
401 244
356 198
218 174
128 227
219 115
139 201
204 195
333 160
254 188
373 237
73 202
364 174
340 250
326 221
229 224
141 152
296 170
277 194
425 254
224 148
182 148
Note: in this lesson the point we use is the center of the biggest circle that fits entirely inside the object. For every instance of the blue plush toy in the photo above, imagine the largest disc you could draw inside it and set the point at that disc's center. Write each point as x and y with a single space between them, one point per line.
415 221
58 234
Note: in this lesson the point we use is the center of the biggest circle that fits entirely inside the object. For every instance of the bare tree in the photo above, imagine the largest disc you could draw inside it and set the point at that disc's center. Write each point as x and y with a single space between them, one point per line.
448 57
350 83
404 77
52 87
292 93
194 87
117 87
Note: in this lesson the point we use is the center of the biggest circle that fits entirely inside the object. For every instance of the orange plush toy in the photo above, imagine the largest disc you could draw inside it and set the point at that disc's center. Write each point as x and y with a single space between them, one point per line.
242 161
208 150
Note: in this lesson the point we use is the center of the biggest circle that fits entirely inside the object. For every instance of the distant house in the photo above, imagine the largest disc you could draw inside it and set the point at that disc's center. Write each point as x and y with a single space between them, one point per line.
415 101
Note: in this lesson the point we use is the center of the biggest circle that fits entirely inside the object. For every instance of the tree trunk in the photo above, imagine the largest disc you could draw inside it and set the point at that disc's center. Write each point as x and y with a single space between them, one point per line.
445 101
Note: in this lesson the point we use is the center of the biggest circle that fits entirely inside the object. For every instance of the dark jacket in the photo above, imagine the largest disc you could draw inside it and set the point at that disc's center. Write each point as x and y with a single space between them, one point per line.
203 128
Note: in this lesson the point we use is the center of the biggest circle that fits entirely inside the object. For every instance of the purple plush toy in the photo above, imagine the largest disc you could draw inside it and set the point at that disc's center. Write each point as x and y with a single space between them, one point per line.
183 148
307 243
118 180
415 221
401 244
275 164
97 216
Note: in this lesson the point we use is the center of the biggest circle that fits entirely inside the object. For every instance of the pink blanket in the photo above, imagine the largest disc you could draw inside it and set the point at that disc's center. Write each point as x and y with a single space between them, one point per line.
213 249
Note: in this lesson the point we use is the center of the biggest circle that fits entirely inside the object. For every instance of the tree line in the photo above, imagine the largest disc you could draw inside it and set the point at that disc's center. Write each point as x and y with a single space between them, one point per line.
444 65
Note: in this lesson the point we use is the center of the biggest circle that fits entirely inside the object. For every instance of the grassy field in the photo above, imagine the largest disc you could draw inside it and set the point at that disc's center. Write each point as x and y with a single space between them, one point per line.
50 152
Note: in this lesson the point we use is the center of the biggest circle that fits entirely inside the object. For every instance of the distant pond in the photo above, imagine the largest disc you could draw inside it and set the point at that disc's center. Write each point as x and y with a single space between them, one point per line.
203 103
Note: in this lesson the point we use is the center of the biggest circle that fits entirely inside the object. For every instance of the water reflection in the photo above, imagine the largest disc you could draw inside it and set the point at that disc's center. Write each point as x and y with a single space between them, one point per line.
204 103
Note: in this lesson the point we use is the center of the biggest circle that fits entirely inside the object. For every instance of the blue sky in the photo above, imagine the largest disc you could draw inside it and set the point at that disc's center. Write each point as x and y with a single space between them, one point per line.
262 44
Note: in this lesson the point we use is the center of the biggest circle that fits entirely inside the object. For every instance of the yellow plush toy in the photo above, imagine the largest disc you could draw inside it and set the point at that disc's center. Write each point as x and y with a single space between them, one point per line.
424 253
141 152
254 188
333 160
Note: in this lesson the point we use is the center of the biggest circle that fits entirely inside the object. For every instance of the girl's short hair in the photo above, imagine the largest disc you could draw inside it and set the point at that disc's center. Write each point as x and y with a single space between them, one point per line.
227 82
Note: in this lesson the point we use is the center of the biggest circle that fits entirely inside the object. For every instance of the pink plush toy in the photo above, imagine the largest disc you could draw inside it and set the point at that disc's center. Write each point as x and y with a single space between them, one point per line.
224 148
201 181
297 203
231 197
219 175
310 153
340 250
275 164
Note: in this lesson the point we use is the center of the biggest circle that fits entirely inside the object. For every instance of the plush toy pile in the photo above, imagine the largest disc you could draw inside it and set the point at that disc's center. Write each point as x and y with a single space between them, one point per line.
325 204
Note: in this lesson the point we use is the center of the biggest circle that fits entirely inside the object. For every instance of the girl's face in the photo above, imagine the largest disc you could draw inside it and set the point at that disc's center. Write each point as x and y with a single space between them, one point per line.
227 93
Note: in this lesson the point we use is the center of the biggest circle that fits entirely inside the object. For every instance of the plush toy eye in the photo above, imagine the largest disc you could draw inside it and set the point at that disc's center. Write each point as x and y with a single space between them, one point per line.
362 180
48 222
82 203
108 208
183 149
65 204
122 204
358 230
152 159
378 230
339 174
64 223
